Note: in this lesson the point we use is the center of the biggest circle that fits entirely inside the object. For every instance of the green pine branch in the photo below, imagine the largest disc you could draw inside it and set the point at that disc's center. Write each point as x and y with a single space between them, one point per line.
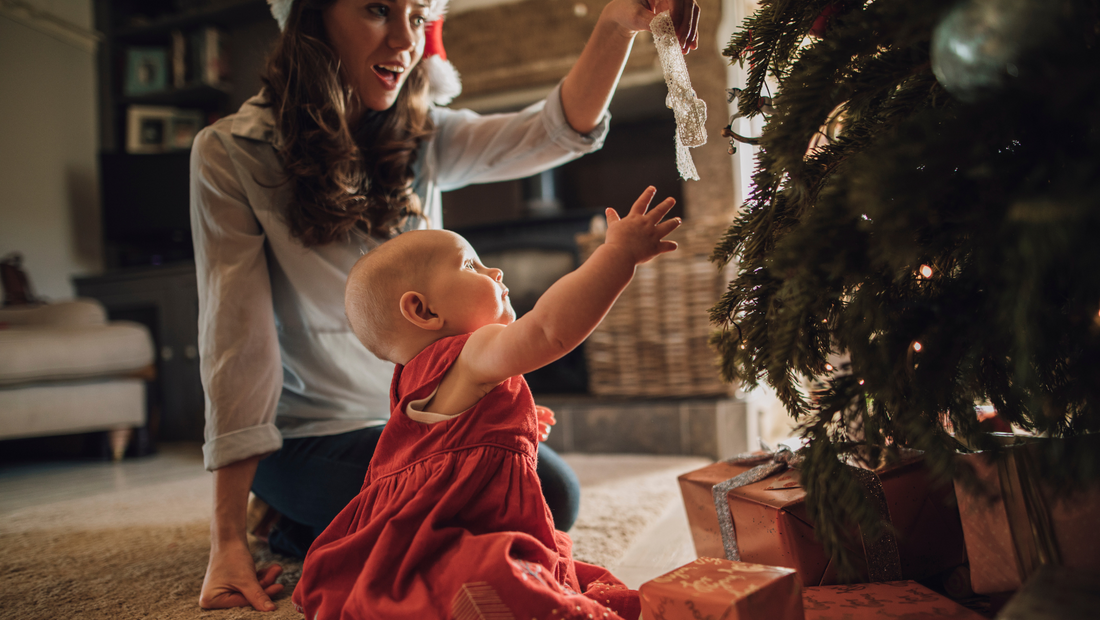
999 197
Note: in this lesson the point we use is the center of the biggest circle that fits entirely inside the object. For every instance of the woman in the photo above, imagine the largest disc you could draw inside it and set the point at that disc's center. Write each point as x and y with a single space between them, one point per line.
341 151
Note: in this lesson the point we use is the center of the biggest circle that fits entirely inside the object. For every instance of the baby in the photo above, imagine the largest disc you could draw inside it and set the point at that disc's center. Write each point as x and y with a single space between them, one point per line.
451 521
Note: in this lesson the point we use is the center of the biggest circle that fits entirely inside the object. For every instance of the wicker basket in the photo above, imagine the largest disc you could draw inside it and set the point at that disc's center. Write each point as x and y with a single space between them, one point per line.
654 341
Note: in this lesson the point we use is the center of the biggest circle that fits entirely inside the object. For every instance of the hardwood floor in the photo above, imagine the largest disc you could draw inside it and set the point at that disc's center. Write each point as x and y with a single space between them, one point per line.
30 483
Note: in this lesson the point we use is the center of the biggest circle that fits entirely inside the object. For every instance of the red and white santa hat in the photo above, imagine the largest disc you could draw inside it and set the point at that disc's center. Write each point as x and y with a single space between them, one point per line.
443 80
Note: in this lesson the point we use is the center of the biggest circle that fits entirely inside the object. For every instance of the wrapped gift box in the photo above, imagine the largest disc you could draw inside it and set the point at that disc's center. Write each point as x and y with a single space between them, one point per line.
717 588
1000 543
772 525
898 600
1056 593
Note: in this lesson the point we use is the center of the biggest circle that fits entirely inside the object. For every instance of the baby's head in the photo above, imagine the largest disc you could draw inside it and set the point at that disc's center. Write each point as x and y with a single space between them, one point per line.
419 287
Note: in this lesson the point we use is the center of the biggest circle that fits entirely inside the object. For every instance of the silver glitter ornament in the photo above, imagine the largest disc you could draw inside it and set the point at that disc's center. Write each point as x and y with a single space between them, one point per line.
982 46
690 110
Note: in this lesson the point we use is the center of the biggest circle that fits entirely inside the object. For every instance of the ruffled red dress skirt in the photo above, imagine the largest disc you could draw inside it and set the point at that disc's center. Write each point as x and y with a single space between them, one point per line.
451 521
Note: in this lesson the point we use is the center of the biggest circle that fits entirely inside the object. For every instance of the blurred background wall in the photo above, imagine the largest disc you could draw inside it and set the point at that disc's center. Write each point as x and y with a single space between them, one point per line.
49 196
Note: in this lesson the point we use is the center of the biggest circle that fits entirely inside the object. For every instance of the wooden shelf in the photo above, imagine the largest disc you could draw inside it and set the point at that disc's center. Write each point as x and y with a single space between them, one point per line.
198 96
225 13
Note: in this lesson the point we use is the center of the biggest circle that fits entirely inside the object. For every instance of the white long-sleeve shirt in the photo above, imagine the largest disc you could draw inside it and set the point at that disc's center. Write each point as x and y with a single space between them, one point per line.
278 358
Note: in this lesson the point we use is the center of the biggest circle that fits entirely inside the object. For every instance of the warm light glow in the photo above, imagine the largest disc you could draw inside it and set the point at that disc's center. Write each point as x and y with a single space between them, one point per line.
829 367
926 271
861 381
916 346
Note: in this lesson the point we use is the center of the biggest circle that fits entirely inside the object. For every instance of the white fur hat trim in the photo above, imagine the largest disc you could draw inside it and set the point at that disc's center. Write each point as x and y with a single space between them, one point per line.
280 9
444 82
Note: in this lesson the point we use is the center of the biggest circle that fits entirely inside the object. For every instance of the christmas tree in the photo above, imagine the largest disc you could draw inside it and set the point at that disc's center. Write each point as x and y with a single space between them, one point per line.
946 239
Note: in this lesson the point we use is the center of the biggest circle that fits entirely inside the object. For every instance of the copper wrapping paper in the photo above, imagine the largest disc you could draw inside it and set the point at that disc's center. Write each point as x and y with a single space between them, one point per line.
906 600
994 564
717 588
773 527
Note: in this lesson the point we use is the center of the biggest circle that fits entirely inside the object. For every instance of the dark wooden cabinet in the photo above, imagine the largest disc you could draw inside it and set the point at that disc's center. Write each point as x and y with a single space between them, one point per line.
164 299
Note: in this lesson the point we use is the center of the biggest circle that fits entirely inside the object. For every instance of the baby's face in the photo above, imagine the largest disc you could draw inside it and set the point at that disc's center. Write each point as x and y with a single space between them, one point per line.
469 295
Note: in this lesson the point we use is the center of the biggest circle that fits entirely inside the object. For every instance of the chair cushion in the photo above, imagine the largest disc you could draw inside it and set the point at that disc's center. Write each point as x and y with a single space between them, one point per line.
72 312
77 407
32 353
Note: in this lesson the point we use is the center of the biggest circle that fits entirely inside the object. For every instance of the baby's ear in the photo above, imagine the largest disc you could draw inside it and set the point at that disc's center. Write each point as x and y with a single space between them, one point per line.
414 307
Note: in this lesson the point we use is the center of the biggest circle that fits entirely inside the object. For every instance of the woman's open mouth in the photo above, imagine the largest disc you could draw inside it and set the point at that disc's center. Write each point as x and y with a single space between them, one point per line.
390 75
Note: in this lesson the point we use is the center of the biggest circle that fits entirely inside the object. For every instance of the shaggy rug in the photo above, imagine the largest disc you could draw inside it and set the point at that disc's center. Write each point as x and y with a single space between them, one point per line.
141 553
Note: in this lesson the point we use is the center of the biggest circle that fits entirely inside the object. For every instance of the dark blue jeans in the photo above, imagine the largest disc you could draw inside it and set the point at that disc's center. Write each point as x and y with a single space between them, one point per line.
309 480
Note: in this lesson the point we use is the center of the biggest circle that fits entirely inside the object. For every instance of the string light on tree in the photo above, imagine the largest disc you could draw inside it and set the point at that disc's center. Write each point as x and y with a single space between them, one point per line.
926 272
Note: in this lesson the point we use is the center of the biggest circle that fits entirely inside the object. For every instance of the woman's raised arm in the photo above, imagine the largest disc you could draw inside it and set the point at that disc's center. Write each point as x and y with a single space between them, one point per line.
587 90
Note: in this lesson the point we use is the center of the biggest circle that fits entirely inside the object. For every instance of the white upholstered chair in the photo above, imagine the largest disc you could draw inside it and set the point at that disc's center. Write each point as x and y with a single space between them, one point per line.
64 368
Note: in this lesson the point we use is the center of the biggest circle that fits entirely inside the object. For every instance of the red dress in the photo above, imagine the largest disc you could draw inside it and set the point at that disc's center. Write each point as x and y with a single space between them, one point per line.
451 521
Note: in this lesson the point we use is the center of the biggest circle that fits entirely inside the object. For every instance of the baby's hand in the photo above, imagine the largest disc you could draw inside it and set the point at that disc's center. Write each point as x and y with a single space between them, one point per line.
641 234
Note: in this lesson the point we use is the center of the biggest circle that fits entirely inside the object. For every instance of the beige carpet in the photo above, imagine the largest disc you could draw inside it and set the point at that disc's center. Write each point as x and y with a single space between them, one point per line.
141 553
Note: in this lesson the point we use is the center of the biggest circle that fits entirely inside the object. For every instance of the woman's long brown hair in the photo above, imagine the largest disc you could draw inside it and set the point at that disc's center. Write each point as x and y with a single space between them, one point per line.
342 177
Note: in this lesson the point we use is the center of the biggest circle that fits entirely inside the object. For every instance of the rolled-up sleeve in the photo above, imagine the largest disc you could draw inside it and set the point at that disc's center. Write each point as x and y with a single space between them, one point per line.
475 148
240 361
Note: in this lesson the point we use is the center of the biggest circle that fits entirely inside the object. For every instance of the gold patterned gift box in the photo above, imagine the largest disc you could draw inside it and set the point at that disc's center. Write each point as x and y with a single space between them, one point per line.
717 588
897 600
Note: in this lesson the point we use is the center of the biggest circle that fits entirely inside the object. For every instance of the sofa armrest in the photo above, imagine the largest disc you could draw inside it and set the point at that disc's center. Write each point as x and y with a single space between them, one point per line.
74 312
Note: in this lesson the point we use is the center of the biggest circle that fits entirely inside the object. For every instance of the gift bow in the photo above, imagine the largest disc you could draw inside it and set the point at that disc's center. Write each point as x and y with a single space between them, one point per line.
883 559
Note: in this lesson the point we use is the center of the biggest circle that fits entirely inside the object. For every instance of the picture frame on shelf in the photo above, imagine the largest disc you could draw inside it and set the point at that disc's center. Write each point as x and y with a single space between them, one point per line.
185 125
156 129
147 128
146 70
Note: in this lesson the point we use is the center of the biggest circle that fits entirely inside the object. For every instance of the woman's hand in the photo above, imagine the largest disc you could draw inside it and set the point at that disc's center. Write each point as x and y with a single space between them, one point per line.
545 418
231 576
634 16
233 581
587 90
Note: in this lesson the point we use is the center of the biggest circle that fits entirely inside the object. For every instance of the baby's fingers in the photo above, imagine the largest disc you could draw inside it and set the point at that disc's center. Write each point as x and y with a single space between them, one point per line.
666 227
667 246
611 215
642 203
661 210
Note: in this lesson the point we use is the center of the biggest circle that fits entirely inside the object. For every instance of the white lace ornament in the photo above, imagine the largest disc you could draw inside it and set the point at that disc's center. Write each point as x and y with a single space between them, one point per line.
690 111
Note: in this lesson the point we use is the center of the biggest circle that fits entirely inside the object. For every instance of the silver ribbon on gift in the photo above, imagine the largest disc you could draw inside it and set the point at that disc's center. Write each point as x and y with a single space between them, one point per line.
769 463
883 559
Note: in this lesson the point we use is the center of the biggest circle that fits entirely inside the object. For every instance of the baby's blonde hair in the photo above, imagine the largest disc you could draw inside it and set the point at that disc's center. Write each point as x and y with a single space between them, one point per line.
372 295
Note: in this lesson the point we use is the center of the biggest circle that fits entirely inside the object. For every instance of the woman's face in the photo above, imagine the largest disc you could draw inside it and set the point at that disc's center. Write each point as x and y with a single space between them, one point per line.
378 43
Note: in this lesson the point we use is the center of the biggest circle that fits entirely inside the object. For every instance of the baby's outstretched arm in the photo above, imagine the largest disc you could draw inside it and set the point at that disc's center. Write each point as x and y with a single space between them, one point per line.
568 312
